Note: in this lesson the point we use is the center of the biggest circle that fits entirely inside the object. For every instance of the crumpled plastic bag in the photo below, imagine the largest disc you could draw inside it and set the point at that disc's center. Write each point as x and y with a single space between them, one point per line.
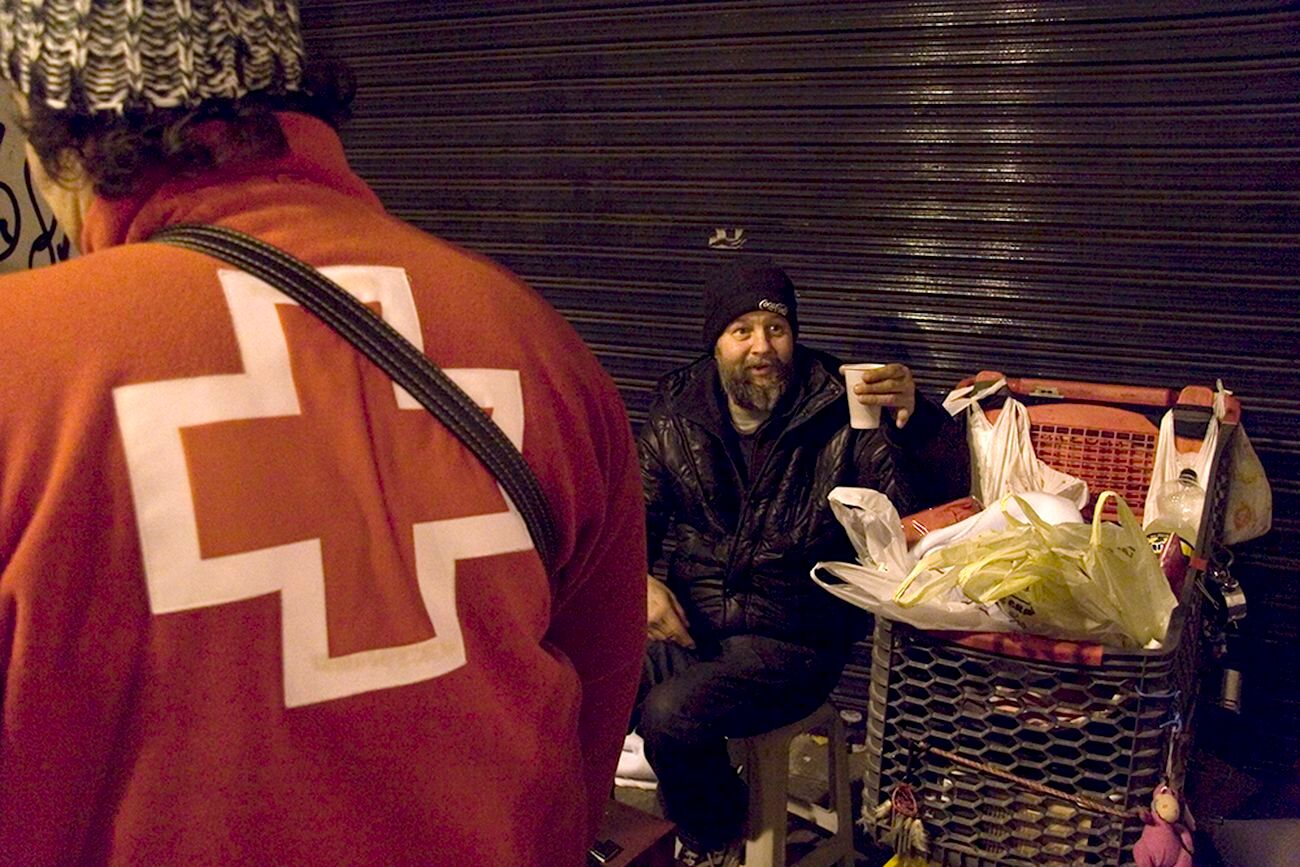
1101 583
885 562
873 590
1052 508
1002 456
874 528
1248 512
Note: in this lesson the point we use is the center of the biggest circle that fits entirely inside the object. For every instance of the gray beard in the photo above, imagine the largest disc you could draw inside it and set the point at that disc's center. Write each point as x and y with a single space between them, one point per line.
749 395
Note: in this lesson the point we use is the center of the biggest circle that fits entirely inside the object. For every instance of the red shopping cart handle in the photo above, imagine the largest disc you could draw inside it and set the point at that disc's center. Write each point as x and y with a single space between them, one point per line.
937 517
1134 395
1203 398
1068 389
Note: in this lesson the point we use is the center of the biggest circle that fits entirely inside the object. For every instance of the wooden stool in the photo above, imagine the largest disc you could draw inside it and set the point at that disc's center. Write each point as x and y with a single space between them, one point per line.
766 762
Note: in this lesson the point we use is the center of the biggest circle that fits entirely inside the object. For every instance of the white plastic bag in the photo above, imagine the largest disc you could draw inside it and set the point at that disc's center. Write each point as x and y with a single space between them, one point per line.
873 590
874 528
876 532
1051 508
1169 462
1002 454
1248 512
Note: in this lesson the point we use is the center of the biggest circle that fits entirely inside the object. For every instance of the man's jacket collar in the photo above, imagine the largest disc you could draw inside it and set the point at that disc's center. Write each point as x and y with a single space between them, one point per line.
695 391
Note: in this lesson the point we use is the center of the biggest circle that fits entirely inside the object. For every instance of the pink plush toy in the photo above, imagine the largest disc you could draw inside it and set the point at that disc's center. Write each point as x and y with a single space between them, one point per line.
1166 841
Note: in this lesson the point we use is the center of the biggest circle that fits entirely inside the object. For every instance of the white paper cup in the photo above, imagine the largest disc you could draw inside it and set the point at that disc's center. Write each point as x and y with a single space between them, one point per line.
861 416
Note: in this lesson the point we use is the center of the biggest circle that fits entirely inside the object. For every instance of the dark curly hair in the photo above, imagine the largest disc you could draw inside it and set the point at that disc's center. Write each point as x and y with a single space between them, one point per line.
117 150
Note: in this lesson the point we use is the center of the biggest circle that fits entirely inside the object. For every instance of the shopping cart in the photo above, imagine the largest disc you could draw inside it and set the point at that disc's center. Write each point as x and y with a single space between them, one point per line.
1044 759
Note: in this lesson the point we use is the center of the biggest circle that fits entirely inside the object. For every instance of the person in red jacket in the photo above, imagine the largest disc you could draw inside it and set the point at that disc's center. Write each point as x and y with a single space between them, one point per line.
256 605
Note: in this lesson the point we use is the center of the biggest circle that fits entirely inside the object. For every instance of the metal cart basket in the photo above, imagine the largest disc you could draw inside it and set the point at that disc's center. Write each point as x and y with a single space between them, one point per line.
1007 735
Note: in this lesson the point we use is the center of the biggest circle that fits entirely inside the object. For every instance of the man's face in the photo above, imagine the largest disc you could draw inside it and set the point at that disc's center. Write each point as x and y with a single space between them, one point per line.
754 359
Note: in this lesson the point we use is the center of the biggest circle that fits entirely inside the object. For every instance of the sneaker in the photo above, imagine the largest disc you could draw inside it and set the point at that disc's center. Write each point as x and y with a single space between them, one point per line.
728 857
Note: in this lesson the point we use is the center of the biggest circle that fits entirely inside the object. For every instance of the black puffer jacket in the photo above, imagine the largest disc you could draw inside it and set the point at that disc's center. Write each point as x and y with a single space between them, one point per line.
744 545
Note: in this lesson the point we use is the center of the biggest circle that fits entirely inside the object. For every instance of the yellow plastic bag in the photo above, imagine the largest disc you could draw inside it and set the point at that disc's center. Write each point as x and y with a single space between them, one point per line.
1101 583
909 861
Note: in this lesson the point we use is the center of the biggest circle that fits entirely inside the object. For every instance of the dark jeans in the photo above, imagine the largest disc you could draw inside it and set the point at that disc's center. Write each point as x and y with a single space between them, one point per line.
690 702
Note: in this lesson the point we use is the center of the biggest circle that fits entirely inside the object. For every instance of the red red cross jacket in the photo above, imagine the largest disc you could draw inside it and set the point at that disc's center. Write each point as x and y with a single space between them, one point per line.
256 605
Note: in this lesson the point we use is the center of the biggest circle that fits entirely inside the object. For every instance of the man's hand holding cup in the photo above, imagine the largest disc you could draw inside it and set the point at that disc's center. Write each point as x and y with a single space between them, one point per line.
872 386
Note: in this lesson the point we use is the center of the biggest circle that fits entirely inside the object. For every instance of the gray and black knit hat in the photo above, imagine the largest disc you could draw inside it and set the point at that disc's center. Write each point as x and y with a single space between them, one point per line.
114 55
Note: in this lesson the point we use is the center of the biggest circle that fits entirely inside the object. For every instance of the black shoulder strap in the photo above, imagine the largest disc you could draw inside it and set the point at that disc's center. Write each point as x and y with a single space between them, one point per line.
394 354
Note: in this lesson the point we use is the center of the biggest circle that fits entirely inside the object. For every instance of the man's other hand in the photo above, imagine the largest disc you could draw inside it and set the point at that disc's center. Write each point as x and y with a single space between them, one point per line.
665 618
890 386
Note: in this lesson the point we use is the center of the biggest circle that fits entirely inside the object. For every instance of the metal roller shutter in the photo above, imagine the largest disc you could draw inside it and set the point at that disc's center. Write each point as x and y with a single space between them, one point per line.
1101 191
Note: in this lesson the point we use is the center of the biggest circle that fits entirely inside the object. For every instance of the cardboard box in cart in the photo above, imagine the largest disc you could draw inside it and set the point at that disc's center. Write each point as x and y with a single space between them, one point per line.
1007 731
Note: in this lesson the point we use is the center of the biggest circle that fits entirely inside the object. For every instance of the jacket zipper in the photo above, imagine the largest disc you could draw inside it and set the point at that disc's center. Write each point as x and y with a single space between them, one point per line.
744 501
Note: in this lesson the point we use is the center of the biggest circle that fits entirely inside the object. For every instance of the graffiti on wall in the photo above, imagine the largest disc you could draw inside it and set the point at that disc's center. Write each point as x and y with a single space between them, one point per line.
30 236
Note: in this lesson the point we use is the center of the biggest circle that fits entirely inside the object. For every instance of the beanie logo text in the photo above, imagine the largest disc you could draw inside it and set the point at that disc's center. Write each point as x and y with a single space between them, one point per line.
774 307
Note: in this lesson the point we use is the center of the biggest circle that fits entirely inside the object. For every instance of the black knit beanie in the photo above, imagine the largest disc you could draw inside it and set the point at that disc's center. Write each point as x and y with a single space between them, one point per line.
740 287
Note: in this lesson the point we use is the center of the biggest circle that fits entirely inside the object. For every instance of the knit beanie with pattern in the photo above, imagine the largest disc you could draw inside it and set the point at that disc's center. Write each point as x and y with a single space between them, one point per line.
126 55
